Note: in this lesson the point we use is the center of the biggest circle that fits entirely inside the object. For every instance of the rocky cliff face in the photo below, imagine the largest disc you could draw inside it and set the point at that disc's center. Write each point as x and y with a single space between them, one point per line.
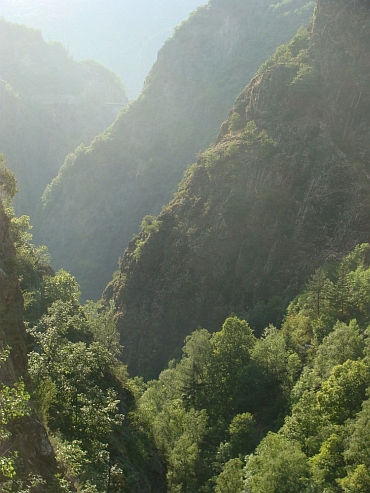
29 437
285 189
49 104
102 193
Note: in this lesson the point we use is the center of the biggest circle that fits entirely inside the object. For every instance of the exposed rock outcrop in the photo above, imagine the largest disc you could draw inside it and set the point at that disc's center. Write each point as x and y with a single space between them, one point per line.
285 189
102 193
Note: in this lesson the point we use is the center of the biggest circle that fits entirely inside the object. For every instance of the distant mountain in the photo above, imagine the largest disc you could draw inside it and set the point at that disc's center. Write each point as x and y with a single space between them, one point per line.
122 35
49 104
102 192
285 189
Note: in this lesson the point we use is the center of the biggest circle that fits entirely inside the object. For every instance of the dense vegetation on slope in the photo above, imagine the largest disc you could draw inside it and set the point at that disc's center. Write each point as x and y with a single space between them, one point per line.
287 412
285 188
20 432
49 105
304 388
102 192
79 390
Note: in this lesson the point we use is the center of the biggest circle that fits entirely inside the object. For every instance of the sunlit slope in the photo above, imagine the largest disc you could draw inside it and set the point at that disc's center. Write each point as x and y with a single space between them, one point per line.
28 436
102 192
122 35
49 104
285 189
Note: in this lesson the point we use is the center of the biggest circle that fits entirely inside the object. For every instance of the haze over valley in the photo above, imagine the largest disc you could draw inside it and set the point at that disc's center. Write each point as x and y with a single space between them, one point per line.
185 277
122 35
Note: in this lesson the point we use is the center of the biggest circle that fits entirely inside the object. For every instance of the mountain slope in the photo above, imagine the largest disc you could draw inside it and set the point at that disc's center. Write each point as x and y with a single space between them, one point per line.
102 193
285 189
122 35
29 438
49 104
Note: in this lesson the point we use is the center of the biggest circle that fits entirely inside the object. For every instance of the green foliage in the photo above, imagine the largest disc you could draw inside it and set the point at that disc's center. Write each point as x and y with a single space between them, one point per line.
102 324
62 287
230 480
305 422
178 432
139 245
267 145
295 49
81 405
357 450
8 183
32 265
278 465
343 295
328 465
357 481
193 369
339 399
232 150
189 429
210 409
235 122
270 353
76 389
232 345
344 343
13 405
30 484
306 78
329 419
244 434
228 376
77 384
150 224
210 158
249 135
277 368
70 456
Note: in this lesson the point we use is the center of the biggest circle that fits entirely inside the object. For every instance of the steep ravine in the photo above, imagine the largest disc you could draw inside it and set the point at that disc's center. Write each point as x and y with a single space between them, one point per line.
285 189
101 194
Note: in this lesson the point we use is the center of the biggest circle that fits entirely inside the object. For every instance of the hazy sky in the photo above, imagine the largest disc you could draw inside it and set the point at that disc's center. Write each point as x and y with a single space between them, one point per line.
123 35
